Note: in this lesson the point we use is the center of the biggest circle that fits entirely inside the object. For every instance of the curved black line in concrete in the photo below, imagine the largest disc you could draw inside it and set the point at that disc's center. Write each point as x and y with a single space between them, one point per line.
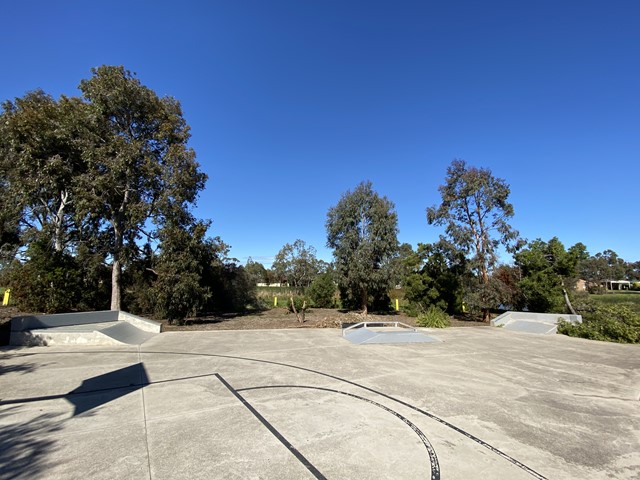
433 458
432 416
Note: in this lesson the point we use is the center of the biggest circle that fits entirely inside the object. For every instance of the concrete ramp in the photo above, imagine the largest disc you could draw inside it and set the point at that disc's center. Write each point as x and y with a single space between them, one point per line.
124 332
384 333
531 322
82 328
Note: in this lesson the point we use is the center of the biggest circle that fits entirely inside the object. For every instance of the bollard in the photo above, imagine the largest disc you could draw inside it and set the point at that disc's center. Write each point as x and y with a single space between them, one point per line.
5 300
275 301
397 305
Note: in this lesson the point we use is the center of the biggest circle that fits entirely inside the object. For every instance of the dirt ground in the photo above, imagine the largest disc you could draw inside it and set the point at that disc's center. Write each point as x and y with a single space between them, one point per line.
314 318
274 318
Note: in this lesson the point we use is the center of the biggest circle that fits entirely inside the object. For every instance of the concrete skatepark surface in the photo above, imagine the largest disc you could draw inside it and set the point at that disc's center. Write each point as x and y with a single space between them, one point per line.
482 403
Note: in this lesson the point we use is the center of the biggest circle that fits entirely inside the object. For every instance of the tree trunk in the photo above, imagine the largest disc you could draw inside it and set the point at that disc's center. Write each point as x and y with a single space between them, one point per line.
115 284
365 298
116 269
568 302
59 222
486 312
300 316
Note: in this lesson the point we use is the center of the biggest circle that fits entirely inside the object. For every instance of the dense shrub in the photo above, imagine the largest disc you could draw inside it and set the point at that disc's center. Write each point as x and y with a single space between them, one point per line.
322 291
49 281
433 318
613 323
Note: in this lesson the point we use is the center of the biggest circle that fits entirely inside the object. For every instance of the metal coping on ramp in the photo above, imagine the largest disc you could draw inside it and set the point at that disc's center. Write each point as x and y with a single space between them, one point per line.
361 333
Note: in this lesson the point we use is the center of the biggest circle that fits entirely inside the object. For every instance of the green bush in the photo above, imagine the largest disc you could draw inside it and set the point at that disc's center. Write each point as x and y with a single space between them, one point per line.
322 291
49 282
433 318
611 323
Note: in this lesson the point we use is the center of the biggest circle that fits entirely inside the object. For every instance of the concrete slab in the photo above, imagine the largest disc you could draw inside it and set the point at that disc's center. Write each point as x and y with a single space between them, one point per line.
531 327
483 403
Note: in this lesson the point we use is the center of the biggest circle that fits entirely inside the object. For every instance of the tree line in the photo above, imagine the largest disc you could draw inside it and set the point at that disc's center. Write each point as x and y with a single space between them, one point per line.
96 200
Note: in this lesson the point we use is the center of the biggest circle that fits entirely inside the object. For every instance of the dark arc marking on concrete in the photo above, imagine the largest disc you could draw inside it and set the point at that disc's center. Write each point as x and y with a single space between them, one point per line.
433 458
434 417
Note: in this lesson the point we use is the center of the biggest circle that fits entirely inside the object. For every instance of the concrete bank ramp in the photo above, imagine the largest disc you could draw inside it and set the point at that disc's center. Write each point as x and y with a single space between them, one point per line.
124 332
82 328
531 322
384 333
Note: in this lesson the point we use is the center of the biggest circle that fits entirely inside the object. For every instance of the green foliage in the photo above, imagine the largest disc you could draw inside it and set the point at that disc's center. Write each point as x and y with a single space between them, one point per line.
233 289
179 289
322 291
139 166
257 271
435 277
613 323
475 213
433 318
85 175
607 265
49 281
546 269
296 264
362 230
40 159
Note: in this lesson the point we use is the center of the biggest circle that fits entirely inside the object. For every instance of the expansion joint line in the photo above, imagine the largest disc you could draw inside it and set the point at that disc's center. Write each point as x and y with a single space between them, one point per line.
301 458
144 413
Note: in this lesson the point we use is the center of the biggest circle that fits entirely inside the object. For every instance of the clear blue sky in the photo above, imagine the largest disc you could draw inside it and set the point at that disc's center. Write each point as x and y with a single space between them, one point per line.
292 103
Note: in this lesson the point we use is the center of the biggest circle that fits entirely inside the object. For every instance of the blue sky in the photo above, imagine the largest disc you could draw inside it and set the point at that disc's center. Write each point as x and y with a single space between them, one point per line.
292 103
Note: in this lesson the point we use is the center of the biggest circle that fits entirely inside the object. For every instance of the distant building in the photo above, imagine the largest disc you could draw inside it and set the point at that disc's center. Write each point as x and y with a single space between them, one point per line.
616 284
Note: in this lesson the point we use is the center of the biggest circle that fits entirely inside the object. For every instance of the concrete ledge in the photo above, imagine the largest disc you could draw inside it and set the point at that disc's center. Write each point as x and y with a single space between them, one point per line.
106 327
532 322
31 322
50 336
140 322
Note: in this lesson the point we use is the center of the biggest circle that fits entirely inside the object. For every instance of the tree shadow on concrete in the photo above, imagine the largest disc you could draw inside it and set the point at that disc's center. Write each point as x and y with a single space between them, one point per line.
25 446
22 368
102 389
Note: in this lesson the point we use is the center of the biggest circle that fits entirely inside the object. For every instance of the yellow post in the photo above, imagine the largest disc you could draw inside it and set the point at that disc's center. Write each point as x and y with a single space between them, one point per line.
275 301
397 305
5 300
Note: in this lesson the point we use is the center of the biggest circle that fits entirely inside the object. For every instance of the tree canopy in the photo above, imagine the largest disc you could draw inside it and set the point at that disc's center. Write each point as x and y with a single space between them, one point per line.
139 164
475 213
362 230
96 177
296 264
548 272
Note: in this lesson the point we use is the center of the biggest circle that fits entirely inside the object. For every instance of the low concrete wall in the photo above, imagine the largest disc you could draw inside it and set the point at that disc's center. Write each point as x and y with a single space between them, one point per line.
32 322
140 322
